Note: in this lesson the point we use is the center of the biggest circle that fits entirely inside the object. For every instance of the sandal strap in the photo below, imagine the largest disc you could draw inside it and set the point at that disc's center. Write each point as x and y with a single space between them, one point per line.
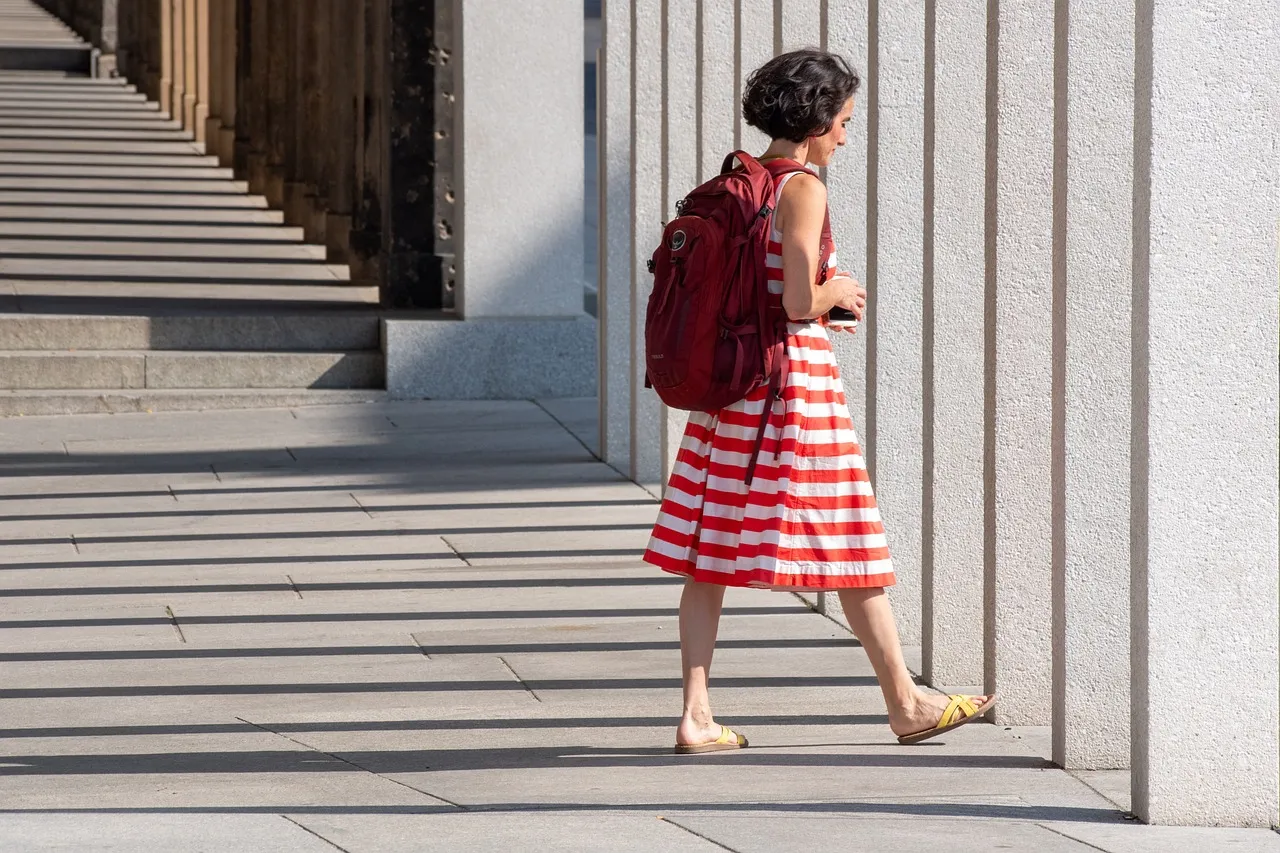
959 708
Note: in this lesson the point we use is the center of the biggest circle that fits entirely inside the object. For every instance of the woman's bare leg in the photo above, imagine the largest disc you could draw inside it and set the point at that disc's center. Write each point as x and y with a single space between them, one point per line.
910 708
699 621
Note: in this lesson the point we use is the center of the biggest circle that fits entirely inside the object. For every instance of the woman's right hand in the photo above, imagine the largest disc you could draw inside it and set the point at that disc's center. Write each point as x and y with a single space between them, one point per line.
852 296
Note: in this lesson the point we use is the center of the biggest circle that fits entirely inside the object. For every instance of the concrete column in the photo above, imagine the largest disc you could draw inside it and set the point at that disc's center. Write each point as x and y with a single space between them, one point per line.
1092 385
178 98
230 58
1020 319
894 326
299 117
217 60
1205 336
647 218
846 34
521 212
279 99
164 90
797 24
200 102
368 214
717 85
681 153
955 142
345 78
615 319
319 121
754 48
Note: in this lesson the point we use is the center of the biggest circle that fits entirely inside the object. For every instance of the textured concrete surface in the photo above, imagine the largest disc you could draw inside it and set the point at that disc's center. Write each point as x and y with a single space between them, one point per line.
491 358
952 555
266 631
1205 414
1094 394
1019 651
519 210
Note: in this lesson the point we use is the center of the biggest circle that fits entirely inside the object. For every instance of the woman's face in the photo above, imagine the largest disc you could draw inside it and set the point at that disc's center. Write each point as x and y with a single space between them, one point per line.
822 148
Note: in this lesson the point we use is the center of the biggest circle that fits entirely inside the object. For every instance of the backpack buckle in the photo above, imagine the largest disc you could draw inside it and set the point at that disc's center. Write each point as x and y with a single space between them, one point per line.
681 205
651 265
765 211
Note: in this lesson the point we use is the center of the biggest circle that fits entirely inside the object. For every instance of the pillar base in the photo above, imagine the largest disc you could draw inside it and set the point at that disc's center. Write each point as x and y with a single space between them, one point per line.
490 359
337 237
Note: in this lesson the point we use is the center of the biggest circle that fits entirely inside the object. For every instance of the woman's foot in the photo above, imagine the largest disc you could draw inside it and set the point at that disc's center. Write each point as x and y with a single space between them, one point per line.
923 712
692 732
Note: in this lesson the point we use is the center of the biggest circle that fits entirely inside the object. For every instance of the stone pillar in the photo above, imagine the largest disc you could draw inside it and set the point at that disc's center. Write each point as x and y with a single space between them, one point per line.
1092 385
754 48
178 38
301 29
952 537
200 102
1205 336
164 89
346 79
681 152
718 85
318 121
647 219
1019 305
799 24
894 325
845 33
217 60
279 99
231 23
520 211
371 154
615 319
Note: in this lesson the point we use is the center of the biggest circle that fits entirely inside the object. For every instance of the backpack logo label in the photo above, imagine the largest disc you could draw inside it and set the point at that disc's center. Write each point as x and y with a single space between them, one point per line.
678 240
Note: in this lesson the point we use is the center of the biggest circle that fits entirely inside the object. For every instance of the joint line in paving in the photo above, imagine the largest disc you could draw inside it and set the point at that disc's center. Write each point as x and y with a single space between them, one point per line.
421 647
291 456
363 508
456 552
698 834
294 584
511 669
172 493
348 761
173 620
216 476
306 828
566 429
74 543
1071 837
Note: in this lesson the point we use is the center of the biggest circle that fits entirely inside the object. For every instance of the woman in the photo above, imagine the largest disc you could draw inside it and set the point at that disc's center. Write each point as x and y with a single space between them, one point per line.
808 520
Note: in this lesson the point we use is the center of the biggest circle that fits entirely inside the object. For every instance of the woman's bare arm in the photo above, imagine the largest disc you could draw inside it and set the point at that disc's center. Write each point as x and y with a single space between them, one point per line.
801 211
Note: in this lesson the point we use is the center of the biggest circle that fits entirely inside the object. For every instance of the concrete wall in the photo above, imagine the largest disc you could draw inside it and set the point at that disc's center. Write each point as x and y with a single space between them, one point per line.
1071 347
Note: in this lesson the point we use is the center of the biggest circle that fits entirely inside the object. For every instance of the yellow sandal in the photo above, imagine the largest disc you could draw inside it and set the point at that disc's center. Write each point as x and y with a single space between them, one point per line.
729 739
959 711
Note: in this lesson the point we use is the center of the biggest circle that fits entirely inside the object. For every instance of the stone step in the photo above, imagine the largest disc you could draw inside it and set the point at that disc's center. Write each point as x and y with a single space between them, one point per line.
53 296
55 54
312 332
116 370
66 95
159 268
146 250
82 402
58 185
211 233
72 122
52 175
73 133
132 201
92 146
141 215
187 159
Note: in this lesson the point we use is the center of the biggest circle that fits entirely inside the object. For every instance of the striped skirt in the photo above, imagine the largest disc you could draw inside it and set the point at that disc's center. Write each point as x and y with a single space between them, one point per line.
809 519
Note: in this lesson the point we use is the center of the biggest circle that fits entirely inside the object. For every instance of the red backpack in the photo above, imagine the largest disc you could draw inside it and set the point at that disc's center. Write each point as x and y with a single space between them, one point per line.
711 332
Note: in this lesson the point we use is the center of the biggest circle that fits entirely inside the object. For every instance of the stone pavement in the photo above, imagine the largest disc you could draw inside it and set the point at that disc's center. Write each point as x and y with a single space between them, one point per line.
424 626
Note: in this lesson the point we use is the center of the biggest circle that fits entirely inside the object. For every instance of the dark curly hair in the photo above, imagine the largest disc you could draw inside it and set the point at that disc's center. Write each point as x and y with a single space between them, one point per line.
799 94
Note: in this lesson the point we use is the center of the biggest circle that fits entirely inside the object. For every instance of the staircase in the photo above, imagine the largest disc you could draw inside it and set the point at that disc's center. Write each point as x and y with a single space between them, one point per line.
136 273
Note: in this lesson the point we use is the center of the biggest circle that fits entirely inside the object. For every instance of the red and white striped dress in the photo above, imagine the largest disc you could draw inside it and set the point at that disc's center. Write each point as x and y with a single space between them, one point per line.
809 519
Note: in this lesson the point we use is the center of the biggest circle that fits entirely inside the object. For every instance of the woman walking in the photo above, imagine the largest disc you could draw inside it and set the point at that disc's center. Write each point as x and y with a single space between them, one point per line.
808 520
